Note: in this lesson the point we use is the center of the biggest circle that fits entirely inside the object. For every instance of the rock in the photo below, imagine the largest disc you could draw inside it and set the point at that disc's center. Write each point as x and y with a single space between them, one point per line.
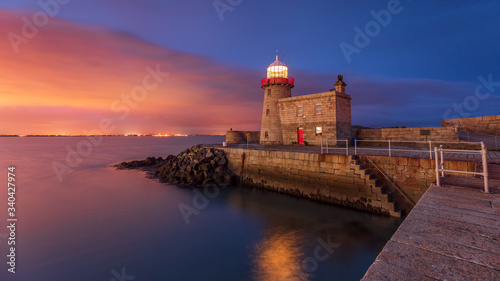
204 160
150 161
195 166
222 162
205 167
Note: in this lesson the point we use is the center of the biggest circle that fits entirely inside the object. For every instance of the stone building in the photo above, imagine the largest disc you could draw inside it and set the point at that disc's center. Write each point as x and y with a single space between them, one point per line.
303 119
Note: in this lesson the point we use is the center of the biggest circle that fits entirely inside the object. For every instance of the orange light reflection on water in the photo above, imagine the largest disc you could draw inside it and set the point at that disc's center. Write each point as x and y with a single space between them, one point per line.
279 256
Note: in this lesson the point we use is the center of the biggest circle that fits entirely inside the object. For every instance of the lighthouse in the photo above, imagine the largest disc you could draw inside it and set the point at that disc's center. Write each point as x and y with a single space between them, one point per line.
299 120
277 85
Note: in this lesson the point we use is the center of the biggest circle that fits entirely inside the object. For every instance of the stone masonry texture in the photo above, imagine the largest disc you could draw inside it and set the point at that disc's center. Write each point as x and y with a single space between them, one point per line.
415 134
270 132
240 137
335 117
334 178
481 125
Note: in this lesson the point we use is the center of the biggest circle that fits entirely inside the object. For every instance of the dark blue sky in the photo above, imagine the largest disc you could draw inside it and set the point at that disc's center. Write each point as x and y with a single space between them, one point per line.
427 58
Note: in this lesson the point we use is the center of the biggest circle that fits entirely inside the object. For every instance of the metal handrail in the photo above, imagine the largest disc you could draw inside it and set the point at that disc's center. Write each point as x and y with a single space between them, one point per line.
327 147
496 135
440 166
390 148
392 183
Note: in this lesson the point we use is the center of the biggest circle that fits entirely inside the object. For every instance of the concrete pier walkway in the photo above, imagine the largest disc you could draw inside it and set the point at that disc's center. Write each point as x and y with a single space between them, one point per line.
453 233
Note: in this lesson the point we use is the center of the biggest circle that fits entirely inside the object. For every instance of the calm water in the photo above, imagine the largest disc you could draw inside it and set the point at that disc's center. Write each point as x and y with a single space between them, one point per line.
100 223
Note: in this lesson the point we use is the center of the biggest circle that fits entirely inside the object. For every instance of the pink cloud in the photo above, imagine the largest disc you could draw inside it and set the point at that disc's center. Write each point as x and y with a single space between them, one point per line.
68 76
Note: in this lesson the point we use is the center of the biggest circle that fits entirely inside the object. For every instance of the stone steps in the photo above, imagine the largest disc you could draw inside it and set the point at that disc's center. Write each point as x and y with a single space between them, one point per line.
377 187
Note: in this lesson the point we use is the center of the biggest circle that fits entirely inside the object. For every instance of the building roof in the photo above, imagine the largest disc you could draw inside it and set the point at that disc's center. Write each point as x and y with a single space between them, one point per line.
277 63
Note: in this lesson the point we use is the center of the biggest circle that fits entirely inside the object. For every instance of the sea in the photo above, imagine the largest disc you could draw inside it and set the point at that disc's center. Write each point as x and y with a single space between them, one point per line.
77 218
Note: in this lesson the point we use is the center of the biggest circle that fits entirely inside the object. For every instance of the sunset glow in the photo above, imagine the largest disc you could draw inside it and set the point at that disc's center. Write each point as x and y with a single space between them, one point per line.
77 70
66 80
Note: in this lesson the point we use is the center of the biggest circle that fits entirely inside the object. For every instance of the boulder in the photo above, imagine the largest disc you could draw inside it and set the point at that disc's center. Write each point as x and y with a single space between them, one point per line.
197 165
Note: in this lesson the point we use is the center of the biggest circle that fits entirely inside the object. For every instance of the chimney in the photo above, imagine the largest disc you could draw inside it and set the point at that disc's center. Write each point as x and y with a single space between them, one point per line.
340 85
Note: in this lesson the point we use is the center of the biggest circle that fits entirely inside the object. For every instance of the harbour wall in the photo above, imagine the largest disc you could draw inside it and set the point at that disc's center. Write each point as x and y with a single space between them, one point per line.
411 134
239 137
481 125
338 179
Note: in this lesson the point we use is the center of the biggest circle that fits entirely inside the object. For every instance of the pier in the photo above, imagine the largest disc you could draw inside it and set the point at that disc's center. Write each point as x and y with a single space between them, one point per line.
452 234
453 231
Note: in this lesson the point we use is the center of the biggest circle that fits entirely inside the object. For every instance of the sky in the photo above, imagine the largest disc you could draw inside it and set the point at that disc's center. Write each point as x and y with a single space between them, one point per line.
194 67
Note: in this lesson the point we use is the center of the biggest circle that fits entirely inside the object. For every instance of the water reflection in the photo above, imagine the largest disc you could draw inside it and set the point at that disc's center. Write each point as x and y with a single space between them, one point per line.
292 230
100 219
279 255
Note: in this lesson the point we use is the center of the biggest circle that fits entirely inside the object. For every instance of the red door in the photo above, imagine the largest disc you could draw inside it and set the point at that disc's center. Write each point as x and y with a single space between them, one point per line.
300 135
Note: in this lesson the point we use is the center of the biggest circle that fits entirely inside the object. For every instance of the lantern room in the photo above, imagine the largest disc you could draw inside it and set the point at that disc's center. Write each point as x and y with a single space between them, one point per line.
277 73
277 69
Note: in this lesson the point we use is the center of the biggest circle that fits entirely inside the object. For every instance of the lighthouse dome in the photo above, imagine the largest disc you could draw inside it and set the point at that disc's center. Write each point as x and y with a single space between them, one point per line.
277 69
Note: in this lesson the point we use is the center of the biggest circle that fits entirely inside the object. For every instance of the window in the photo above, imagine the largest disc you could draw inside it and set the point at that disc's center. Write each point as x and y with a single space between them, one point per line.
300 111
266 135
318 109
268 92
319 130
268 112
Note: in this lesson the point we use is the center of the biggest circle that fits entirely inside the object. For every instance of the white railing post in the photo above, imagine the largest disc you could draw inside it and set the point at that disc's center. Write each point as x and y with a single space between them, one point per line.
430 149
326 146
484 153
390 155
355 147
346 147
442 159
438 182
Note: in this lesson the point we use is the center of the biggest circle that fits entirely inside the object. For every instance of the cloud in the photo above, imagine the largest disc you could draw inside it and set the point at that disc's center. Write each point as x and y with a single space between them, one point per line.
383 101
68 77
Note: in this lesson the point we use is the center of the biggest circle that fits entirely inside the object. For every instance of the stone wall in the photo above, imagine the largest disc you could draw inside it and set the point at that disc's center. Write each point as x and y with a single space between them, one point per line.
337 179
482 125
343 116
271 129
335 117
239 137
419 134
326 178
412 175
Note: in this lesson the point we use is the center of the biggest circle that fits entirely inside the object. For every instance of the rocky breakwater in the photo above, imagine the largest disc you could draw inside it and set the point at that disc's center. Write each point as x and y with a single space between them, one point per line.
195 166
